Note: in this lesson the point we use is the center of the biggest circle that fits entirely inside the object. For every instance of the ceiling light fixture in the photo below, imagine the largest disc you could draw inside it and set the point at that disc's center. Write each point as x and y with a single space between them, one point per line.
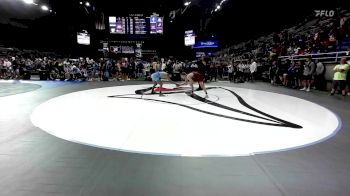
45 8
28 1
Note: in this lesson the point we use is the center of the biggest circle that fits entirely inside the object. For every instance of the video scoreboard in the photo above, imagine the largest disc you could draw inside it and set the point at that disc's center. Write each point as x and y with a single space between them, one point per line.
136 25
140 25
156 25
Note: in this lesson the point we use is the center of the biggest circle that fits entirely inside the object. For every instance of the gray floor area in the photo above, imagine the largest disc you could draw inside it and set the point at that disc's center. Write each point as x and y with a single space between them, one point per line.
13 88
33 162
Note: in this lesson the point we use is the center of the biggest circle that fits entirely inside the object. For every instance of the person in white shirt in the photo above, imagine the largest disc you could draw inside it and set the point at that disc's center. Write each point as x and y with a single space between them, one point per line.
147 68
7 64
163 65
253 69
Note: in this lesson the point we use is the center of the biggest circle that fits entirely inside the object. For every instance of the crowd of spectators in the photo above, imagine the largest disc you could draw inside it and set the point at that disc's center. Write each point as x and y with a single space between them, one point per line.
49 68
320 35
277 53
71 69
13 66
303 75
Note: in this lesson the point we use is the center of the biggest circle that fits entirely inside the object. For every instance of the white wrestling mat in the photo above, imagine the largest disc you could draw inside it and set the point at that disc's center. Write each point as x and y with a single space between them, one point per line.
231 122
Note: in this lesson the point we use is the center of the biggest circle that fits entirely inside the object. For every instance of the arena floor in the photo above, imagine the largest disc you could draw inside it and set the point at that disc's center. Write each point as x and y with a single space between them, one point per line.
104 138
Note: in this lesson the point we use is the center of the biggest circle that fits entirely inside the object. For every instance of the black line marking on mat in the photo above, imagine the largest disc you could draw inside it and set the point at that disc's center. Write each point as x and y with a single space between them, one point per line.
274 120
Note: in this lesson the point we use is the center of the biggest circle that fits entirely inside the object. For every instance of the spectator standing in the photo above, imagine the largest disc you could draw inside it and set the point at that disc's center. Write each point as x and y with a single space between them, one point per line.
291 75
7 64
281 70
253 70
298 72
230 72
154 67
147 70
140 68
162 65
202 65
340 74
220 69
319 76
131 69
309 69
247 71
124 68
272 72
213 72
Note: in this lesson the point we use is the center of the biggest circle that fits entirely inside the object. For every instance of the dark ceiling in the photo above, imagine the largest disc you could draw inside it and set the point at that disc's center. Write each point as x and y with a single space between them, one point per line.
241 20
17 10
117 7
237 21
